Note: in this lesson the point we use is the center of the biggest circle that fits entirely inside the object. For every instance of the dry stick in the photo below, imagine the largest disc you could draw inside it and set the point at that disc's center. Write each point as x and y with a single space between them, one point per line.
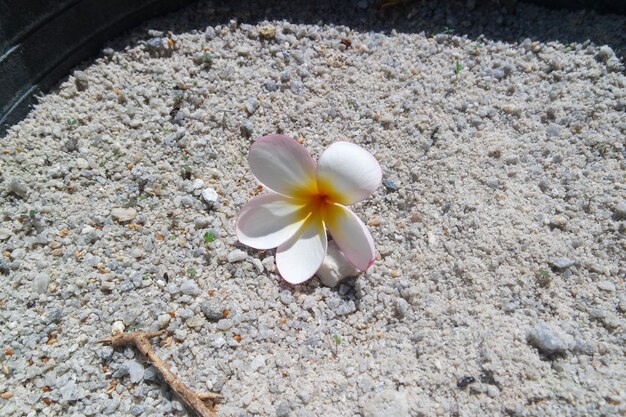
141 340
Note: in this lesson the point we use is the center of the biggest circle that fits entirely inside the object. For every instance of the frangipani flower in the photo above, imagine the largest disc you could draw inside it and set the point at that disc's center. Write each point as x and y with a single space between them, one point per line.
305 200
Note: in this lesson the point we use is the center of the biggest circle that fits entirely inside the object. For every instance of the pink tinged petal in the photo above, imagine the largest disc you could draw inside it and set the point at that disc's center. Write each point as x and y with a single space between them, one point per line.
281 164
269 220
300 257
351 235
348 173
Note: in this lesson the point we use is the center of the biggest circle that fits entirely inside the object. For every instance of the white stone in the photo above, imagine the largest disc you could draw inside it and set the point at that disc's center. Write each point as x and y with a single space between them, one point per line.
135 371
5 233
219 342
237 256
82 163
210 195
269 263
257 362
190 287
197 184
163 320
335 267
549 339
117 327
40 283
123 214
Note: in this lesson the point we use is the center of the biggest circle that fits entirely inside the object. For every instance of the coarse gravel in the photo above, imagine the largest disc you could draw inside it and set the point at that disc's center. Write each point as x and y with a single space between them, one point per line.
498 287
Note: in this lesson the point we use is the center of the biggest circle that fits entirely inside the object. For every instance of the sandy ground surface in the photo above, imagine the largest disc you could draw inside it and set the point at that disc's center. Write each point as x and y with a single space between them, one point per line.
500 229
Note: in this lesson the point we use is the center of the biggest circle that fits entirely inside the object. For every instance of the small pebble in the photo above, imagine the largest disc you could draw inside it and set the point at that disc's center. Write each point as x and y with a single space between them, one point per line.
123 214
135 371
553 130
212 310
620 210
607 286
17 188
237 256
390 185
247 128
118 327
40 283
190 287
558 222
195 321
335 267
465 381
210 196
562 264
550 339
81 80
252 104
163 320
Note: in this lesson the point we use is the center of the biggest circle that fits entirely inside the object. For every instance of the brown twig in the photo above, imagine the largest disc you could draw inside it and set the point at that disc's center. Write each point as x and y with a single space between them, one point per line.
141 341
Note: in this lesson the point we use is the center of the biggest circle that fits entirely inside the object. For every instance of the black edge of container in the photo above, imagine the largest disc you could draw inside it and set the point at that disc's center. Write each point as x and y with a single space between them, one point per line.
42 40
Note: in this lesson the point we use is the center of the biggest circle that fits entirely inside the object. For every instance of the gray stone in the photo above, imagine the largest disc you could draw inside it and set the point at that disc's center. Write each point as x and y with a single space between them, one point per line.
209 33
160 47
237 255
210 196
135 371
163 320
107 285
212 310
224 324
187 201
605 53
105 353
112 405
558 222
553 130
251 105
151 374
70 391
283 410
81 80
493 182
201 222
247 128
562 264
5 234
40 283
385 404
403 308
271 85
620 210
18 253
17 188
190 287
53 315
195 321
550 339
127 285
136 409
607 286
390 185
335 267
511 159
123 214
296 87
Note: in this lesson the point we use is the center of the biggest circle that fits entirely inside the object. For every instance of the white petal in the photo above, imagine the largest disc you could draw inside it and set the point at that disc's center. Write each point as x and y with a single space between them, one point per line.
351 235
268 220
347 173
300 257
281 164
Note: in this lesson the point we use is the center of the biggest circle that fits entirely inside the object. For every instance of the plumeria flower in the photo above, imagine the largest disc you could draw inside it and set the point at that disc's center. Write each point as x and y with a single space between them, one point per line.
306 200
